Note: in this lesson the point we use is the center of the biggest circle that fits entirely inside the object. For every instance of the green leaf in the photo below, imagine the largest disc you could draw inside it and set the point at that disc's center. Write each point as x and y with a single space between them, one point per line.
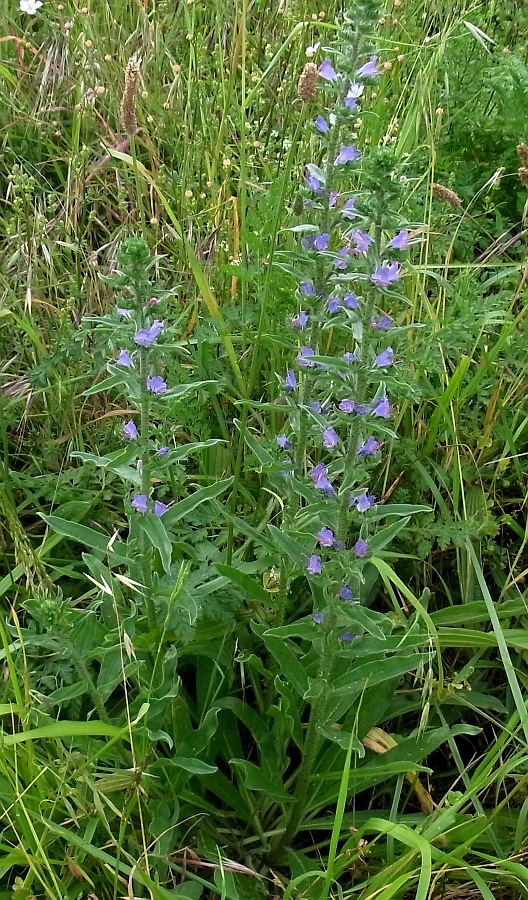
187 449
194 766
298 552
156 532
107 384
265 459
64 730
184 507
181 390
87 536
255 780
342 738
290 666
253 590
397 509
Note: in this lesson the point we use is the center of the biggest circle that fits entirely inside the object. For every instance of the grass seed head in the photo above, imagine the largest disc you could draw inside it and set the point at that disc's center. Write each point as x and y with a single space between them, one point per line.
307 84
446 194
128 100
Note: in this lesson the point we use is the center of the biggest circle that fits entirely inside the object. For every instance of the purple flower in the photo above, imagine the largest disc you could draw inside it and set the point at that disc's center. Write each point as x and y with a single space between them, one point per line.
163 451
330 438
300 320
283 442
127 313
332 197
345 593
385 275
314 565
156 384
313 183
160 508
318 476
139 503
303 358
154 301
342 258
325 537
349 357
361 409
400 241
384 359
327 71
285 472
381 408
360 548
351 301
353 95
130 431
321 241
361 240
347 636
348 211
369 69
368 447
321 124
363 502
124 359
347 406
383 324
316 406
333 305
307 288
318 618
290 382
147 336
348 153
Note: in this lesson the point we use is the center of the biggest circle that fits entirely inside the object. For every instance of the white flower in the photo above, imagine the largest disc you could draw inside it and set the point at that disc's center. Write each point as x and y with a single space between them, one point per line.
311 51
30 6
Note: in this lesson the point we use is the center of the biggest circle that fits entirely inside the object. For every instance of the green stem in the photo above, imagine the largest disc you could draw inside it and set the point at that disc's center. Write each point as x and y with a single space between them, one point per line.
84 675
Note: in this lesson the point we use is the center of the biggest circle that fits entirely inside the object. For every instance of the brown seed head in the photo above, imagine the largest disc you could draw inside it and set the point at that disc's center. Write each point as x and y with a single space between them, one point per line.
522 152
307 84
128 100
523 175
446 194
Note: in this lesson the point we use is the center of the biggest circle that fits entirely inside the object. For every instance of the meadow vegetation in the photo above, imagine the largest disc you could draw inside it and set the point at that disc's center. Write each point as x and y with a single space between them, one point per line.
263 442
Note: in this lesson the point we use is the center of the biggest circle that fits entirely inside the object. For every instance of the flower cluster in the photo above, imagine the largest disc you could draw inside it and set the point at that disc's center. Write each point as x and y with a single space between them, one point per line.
338 402
143 332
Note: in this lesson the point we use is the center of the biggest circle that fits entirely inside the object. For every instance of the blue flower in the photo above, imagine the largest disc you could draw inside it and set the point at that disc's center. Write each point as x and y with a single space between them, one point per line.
127 313
332 198
130 431
348 210
347 636
330 438
321 241
124 359
300 320
348 153
381 408
400 241
315 565
368 448
363 502
321 124
303 359
290 382
386 274
313 183
383 324
307 288
163 451
362 240
160 508
283 442
349 357
318 476
327 71
351 301
384 359
318 618
156 384
347 406
342 259
325 537
345 593
333 305
360 548
140 503
369 69
145 337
